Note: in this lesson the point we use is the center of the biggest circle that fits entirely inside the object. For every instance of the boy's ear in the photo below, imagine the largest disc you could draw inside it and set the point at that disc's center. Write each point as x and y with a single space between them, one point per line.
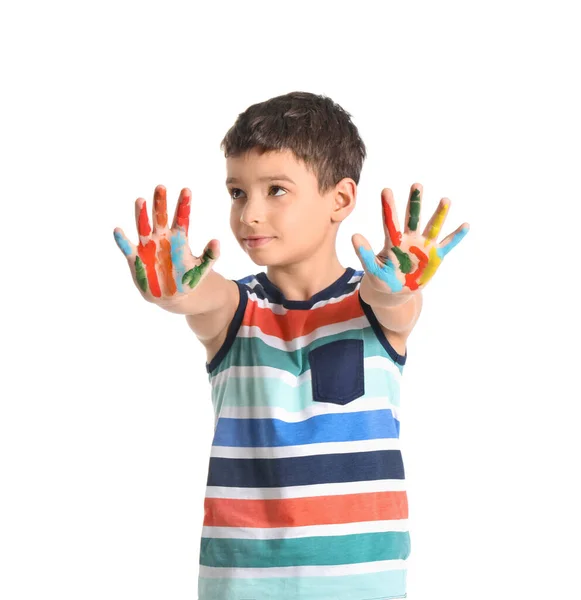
344 199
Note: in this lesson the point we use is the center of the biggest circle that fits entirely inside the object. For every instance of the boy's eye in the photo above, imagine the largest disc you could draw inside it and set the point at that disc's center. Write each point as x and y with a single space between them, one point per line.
278 188
234 190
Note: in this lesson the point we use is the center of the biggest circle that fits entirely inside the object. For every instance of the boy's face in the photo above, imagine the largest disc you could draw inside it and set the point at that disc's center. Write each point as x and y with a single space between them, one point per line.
295 218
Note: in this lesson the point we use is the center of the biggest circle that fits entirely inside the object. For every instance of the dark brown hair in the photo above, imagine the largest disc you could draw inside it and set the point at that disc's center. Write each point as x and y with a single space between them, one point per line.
317 130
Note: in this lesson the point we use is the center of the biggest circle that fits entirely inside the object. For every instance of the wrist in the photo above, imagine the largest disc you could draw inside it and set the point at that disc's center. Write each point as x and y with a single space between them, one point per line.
375 297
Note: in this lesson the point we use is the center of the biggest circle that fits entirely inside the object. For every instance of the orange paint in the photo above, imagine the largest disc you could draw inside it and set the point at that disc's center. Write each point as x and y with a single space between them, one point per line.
166 266
411 278
183 216
160 207
147 255
394 234
143 225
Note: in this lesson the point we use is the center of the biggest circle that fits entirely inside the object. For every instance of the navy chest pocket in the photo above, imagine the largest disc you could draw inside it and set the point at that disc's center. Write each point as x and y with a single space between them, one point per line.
337 371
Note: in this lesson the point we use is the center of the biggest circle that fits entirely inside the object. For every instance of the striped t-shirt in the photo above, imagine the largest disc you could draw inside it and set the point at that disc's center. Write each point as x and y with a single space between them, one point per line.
306 496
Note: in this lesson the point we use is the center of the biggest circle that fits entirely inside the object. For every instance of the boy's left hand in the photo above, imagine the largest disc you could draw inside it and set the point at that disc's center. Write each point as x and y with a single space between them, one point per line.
408 260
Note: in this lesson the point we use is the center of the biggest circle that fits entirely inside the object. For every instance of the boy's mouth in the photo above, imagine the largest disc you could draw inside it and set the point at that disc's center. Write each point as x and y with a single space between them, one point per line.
255 241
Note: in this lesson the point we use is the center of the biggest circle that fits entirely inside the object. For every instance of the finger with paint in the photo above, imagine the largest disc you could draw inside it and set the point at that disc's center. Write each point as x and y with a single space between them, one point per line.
413 209
181 218
391 249
186 277
439 252
145 263
161 231
432 229
175 256
179 242
124 244
131 253
384 271
390 221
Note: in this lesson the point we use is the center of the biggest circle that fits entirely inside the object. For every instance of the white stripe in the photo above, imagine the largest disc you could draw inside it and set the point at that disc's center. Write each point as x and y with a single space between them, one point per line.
307 491
271 533
370 362
304 571
317 408
314 449
260 371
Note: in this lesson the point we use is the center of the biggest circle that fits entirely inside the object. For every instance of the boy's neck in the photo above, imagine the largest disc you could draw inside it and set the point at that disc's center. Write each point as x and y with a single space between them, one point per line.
301 281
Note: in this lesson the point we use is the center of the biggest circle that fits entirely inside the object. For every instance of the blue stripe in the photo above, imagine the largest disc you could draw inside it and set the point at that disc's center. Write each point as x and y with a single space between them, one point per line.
339 427
305 470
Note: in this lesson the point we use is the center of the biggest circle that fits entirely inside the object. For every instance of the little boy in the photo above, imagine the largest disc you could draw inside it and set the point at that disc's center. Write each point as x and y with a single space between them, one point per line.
305 496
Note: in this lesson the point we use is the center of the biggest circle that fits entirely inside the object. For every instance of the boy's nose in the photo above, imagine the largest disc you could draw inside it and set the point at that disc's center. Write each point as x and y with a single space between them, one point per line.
253 212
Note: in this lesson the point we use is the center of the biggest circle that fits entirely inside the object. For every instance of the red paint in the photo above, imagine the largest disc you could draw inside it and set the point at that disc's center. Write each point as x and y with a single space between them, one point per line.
394 234
147 255
183 216
165 265
411 278
143 225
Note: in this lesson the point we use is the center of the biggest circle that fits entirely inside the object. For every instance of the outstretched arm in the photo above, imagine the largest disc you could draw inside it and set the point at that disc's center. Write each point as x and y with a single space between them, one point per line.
394 279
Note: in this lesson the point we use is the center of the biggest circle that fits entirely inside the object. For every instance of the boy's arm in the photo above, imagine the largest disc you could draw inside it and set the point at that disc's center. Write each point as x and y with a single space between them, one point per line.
208 308
209 325
398 322
397 314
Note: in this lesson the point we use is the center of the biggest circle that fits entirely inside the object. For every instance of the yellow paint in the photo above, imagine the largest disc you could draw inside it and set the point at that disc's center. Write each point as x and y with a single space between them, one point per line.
432 266
437 224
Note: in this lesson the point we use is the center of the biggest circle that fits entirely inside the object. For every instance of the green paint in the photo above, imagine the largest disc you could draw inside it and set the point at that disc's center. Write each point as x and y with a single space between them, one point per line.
140 274
414 210
193 276
405 262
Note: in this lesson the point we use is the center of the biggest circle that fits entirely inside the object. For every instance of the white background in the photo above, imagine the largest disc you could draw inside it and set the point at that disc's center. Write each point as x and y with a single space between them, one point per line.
106 419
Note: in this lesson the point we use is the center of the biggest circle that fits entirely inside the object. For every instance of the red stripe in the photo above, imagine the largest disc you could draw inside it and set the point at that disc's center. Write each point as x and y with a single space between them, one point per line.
299 512
297 323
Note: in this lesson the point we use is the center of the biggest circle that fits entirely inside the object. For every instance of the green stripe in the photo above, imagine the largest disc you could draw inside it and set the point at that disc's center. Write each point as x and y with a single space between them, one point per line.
319 550
252 351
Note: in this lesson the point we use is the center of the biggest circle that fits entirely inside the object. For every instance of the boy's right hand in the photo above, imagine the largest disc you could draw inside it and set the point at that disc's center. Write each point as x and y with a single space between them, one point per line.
162 265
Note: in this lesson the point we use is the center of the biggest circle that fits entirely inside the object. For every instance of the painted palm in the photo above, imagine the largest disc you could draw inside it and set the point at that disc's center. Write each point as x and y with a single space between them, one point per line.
408 260
162 264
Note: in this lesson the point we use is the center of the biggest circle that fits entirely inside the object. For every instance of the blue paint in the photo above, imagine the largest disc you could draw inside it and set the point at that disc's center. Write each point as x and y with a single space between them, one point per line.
385 273
452 243
122 243
178 241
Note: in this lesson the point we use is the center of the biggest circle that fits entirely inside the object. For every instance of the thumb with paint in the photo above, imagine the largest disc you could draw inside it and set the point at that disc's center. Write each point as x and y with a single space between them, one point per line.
163 267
